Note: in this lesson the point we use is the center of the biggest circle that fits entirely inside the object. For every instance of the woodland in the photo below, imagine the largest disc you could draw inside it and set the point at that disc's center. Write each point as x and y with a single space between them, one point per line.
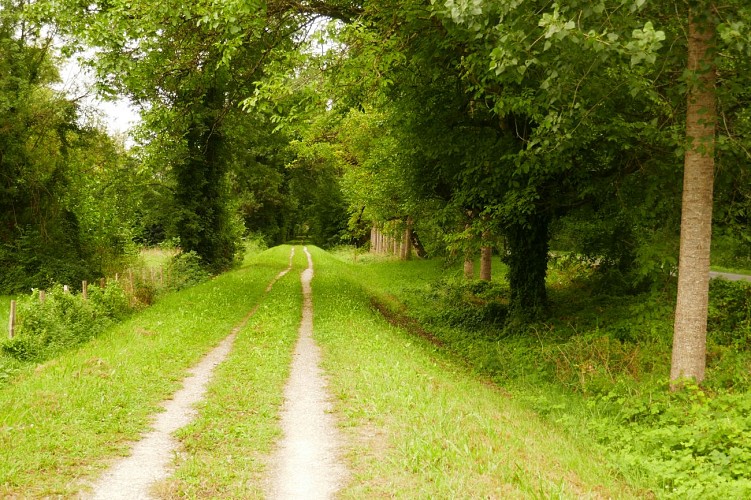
593 155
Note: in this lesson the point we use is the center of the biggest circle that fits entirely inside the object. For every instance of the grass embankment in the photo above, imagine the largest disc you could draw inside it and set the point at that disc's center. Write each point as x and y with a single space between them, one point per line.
598 366
61 421
227 446
421 425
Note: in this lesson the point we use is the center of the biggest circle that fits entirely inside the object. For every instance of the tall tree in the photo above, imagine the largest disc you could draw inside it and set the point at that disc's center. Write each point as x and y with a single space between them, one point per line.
689 338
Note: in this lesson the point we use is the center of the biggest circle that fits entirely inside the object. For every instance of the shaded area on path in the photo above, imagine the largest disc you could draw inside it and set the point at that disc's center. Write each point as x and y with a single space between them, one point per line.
132 477
306 464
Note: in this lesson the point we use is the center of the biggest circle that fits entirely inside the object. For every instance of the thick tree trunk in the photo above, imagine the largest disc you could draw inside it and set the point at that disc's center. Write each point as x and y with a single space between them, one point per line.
407 243
528 266
690 328
486 254
417 245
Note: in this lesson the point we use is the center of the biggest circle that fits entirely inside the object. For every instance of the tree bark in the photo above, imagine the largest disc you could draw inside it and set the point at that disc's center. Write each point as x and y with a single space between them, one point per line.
486 255
407 243
469 266
528 266
690 328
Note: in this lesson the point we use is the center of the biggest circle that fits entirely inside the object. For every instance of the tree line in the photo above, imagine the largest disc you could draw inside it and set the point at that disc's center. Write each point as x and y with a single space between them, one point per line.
610 129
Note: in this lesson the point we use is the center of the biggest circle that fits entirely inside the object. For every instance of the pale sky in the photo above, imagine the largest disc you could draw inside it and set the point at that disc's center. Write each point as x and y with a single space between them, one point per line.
118 116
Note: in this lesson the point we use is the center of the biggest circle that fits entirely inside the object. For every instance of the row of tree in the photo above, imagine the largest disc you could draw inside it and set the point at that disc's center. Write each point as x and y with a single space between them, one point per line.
527 120
477 121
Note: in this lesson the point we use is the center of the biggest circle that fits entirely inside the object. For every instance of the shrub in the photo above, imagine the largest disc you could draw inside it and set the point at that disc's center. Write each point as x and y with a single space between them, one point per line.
63 320
187 270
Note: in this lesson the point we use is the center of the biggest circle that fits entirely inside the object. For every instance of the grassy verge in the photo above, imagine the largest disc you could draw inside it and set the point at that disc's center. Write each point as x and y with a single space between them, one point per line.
60 422
598 367
226 447
421 425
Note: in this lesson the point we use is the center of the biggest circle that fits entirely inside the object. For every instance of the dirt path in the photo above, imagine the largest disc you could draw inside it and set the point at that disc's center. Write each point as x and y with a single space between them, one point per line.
729 276
132 477
306 463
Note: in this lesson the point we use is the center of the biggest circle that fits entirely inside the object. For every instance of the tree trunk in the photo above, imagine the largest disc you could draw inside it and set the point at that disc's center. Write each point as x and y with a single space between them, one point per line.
469 266
407 243
417 245
486 255
690 328
528 266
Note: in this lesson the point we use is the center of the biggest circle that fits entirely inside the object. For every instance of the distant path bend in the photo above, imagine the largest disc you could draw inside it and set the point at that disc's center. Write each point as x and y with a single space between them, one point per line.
729 276
306 464
149 462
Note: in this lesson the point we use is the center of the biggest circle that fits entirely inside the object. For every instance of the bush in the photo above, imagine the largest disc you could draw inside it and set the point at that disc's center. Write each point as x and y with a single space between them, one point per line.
63 320
187 270
729 319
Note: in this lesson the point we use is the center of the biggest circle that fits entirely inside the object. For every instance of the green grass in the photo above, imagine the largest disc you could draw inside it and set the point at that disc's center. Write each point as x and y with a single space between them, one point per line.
156 257
420 425
63 421
227 446
597 367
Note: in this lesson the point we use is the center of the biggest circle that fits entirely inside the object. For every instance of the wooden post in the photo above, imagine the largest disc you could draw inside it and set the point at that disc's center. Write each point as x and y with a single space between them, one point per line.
66 289
85 290
12 319
42 296
117 276
102 283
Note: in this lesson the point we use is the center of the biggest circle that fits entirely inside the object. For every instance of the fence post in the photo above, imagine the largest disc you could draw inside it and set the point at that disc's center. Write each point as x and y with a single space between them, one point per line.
102 283
12 319
66 289
42 296
85 290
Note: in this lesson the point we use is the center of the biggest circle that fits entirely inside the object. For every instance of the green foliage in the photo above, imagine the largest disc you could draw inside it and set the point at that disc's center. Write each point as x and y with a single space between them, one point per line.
66 189
187 269
729 319
692 444
599 361
63 320
476 305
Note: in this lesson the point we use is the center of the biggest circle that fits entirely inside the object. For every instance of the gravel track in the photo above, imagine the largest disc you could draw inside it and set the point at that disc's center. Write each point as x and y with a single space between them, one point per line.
306 463
132 477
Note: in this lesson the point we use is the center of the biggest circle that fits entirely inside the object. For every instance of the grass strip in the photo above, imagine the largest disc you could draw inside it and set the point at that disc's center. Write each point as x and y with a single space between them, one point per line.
422 426
226 448
64 421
